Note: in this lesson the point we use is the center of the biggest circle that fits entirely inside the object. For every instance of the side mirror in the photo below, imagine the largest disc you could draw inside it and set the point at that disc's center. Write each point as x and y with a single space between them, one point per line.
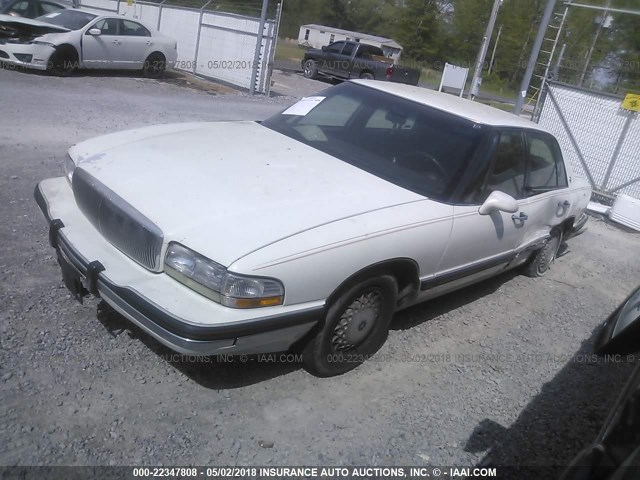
621 332
95 32
498 201
324 48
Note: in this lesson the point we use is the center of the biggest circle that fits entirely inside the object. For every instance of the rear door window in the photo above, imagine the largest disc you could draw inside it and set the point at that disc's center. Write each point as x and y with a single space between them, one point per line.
545 166
129 28
506 169
348 49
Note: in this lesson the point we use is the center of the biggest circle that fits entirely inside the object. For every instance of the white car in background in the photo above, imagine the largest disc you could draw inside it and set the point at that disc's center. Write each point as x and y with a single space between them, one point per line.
65 40
33 8
312 228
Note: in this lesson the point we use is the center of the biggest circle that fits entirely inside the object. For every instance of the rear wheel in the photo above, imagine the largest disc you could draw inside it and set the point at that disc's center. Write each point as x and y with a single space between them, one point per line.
355 327
541 260
579 225
154 66
63 62
367 76
310 69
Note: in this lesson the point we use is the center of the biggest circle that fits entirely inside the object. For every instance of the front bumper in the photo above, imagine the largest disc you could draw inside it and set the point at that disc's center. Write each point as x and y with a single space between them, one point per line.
162 307
26 55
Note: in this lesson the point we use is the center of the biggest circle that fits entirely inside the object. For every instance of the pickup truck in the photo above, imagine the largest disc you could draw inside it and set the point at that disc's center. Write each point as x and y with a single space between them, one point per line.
347 60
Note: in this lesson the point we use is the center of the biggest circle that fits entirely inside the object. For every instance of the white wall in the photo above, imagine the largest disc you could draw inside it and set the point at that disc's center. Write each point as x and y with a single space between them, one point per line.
225 48
227 54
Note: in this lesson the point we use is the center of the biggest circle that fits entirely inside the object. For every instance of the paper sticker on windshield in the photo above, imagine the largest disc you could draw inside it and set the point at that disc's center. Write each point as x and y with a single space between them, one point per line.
304 106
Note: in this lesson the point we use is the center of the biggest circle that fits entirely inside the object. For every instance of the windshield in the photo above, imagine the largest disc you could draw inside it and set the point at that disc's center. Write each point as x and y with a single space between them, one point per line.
417 147
71 19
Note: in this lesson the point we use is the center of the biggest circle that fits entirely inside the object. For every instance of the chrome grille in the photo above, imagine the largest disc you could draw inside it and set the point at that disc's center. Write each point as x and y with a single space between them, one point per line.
119 223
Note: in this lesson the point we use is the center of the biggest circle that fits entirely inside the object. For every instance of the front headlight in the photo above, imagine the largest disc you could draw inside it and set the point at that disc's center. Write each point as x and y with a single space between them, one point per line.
69 167
213 281
46 44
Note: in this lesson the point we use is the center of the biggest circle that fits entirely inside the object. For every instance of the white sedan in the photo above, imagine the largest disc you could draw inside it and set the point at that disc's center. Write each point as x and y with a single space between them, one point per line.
67 39
311 229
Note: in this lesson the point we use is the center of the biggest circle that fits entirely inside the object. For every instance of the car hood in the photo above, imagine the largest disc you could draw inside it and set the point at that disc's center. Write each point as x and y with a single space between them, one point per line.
17 27
230 188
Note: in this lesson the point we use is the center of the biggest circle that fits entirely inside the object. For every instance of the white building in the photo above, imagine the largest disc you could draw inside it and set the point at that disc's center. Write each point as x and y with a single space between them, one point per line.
316 36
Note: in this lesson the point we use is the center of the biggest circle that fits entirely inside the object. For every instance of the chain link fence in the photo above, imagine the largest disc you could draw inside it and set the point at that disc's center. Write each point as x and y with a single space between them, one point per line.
598 137
213 44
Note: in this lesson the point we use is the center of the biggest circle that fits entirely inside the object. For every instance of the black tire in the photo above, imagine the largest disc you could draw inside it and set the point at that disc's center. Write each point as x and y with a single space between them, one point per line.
367 76
541 260
355 327
154 66
310 69
63 62
579 225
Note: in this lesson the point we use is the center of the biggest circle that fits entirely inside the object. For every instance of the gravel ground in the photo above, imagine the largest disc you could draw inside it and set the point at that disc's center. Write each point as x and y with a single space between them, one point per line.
79 386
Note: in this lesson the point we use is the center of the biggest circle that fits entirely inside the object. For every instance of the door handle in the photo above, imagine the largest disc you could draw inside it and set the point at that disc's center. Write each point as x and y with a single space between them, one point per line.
117 42
565 204
149 42
522 217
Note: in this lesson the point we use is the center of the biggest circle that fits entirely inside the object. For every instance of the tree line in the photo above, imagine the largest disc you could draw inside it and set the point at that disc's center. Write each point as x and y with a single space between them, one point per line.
436 31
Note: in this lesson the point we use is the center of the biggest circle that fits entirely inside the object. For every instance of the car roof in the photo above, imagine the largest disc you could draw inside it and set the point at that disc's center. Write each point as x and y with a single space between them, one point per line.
101 15
97 12
462 107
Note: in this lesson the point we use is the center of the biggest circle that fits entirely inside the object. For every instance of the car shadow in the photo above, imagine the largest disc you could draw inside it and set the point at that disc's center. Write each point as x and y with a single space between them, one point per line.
77 73
289 68
214 372
556 424
90 72
170 77
228 372
605 218
431 309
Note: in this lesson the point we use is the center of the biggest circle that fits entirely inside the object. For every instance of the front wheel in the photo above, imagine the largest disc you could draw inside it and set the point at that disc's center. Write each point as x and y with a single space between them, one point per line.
355 327
63 62
310 69
367 76
154 66
541 260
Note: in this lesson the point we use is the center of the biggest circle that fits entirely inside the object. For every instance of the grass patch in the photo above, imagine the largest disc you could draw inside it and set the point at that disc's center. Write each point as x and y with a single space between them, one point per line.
430 76
497 88
288 51
507 107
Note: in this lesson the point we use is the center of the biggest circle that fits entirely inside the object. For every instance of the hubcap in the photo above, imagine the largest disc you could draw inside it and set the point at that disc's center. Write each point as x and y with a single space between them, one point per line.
357 321
155 66
549 254
307 69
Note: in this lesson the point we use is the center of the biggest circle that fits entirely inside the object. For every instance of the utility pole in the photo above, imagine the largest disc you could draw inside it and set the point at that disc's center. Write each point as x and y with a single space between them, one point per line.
603 19
556 69
495 46
476 81
535 50
256 56
272 56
